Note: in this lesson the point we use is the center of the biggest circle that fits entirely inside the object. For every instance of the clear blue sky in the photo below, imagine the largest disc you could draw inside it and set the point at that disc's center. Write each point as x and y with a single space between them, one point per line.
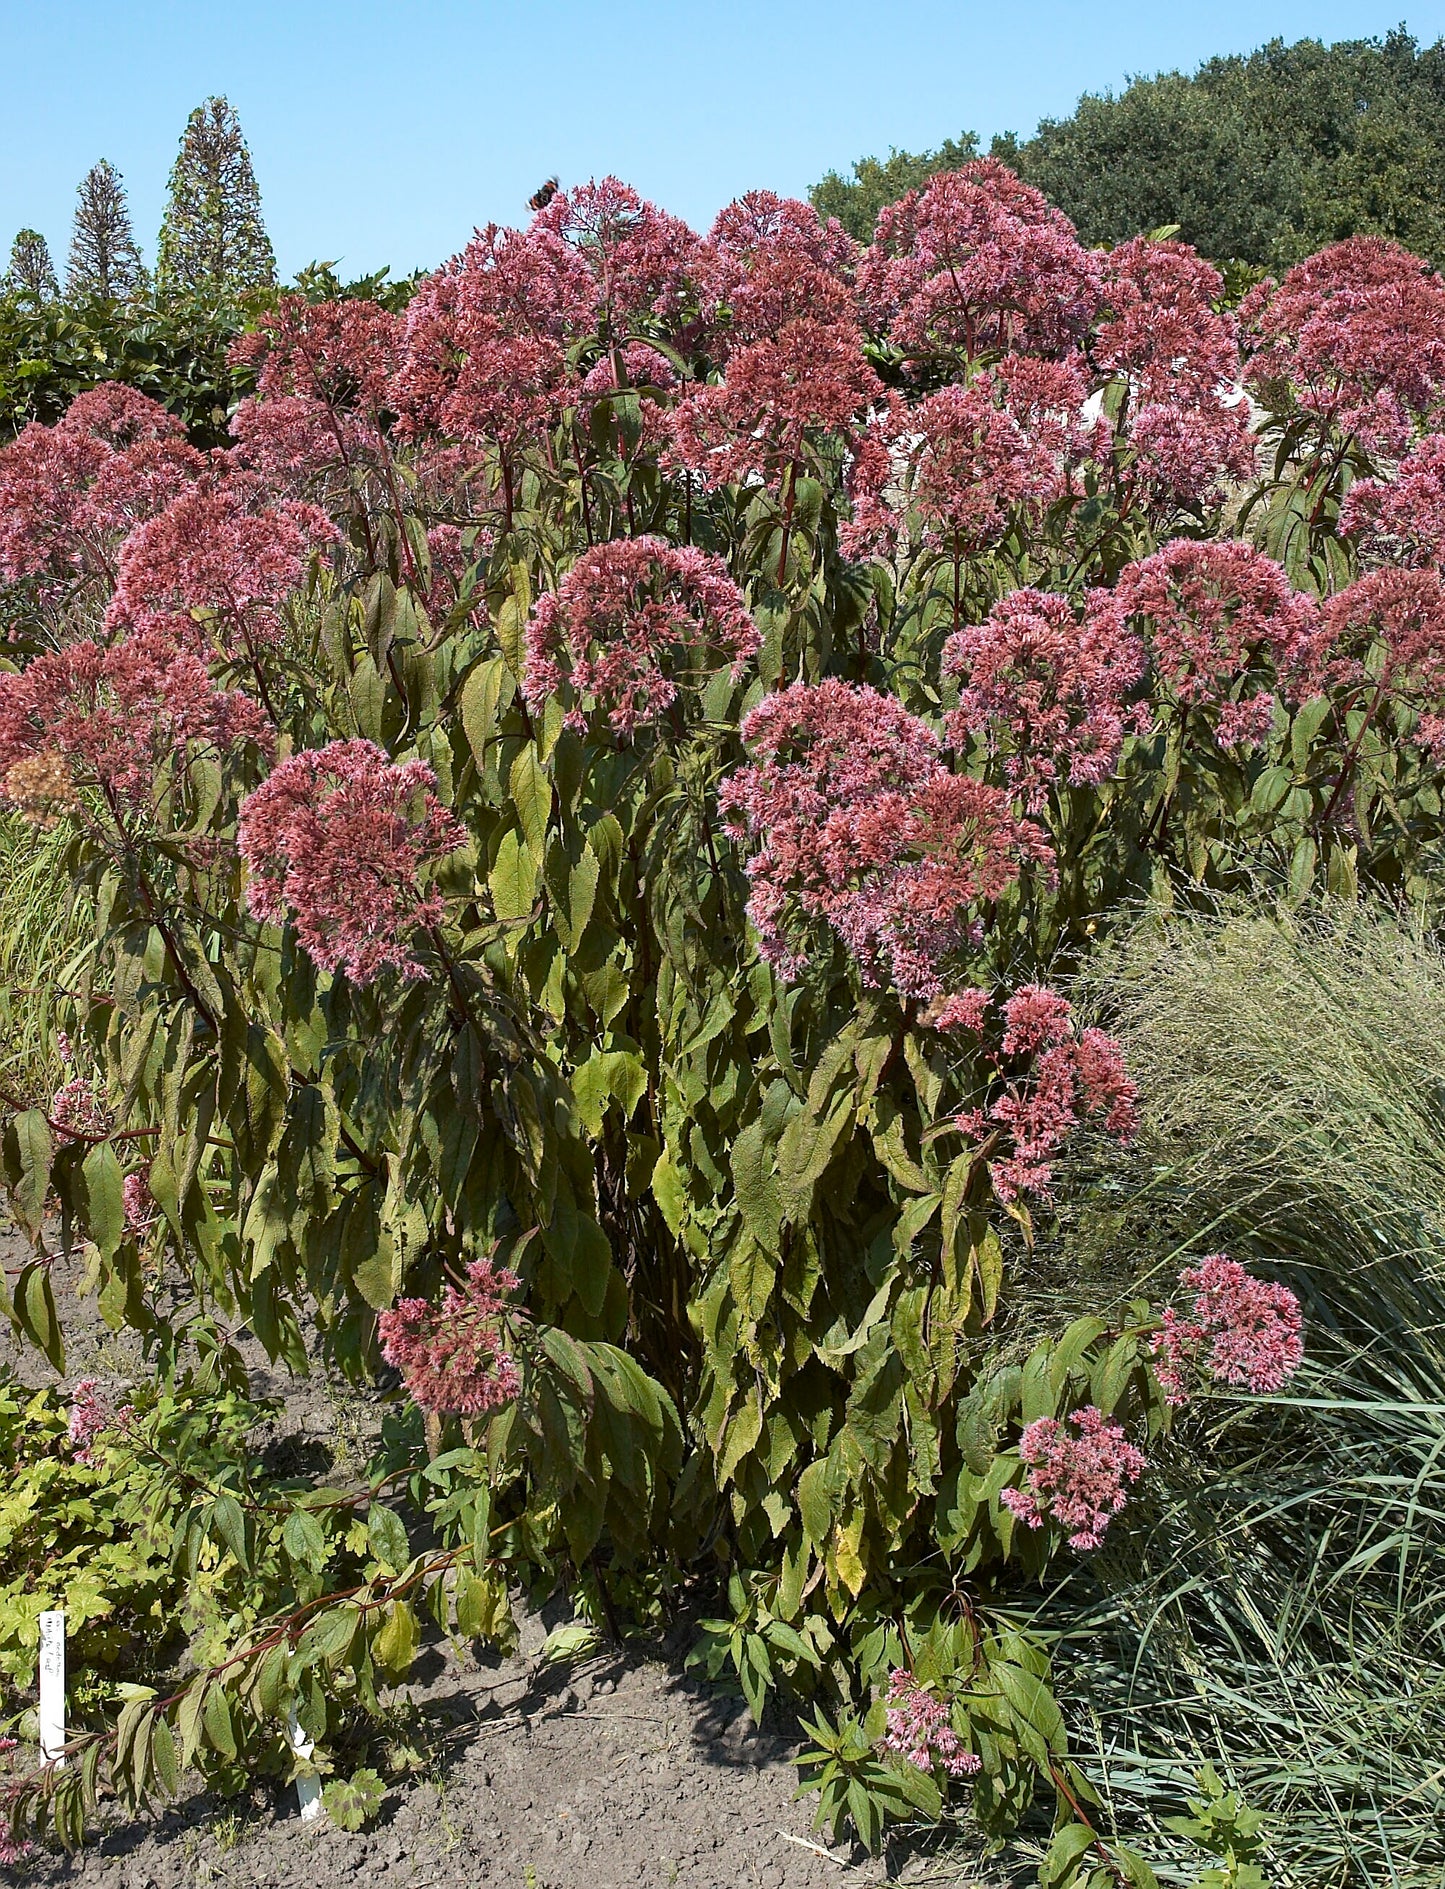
382 132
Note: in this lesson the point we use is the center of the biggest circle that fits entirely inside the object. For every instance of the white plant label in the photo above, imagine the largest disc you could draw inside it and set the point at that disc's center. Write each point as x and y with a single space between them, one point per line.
308 1785
52 1688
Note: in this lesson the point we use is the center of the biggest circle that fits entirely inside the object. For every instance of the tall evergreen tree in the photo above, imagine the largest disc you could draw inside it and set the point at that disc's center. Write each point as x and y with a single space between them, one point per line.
104 259
31 271
212 236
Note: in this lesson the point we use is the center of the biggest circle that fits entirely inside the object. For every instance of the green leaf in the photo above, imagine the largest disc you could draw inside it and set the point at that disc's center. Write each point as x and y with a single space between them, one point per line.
395 1646
35 1308
481 694
36 1151
513 878
531 793
387 1537
105 1200
305 1540
755 1185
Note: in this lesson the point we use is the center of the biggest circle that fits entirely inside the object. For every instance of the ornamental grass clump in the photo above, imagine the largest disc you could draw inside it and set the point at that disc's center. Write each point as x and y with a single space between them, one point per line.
595 805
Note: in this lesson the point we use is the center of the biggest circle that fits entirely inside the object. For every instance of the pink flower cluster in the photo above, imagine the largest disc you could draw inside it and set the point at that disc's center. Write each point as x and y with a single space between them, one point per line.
1386 642
975 461
90 1414
1187 424
334 840
769 261
1357 336
1068 1076
1238 1329
484 353
1051 696
1078 1471
453 1356
113 715
920 1731
1401 521
629 621
1224 629
976 262
640 259
810 378
213 553
70 492
861 827
138 1204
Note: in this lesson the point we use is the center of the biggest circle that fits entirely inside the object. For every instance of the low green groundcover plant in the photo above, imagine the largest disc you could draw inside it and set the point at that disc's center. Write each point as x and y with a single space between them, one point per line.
590 804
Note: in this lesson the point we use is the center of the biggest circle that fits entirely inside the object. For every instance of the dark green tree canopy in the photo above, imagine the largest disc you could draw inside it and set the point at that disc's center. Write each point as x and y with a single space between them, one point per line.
213 237
31 272
1263 158
104 259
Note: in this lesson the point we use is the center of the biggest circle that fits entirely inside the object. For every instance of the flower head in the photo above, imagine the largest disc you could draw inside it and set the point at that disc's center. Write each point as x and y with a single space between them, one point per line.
974 461
70 492
772 260
334 840
920 1731
1238 1329
1047 694
1386 640
640 259
1401 521
453 1356
976 262
861 827
212 553
809 379
1224 628
628 621
90 1413
1078 1469
1355 337
112 715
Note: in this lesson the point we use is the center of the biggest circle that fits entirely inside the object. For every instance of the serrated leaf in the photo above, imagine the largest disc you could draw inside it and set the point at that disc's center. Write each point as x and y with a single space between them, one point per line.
531 795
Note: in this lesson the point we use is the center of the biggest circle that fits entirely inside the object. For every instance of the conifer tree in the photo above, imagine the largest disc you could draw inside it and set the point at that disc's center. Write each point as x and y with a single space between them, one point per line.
212 237
104 259
31 271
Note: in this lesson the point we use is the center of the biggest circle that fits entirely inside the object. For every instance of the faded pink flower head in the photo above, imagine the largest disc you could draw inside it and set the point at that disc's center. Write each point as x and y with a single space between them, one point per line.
1224 628
771 260
484 355
630 621
971 463
1238 1329
920 1731
90 1413
1077 1472
1355 337
808 380
1386 641
1047 694
1161 329
640 258
117 713
861 828
212 553
138 1204
334 841
453 1357
70 492
976 262
1401 520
